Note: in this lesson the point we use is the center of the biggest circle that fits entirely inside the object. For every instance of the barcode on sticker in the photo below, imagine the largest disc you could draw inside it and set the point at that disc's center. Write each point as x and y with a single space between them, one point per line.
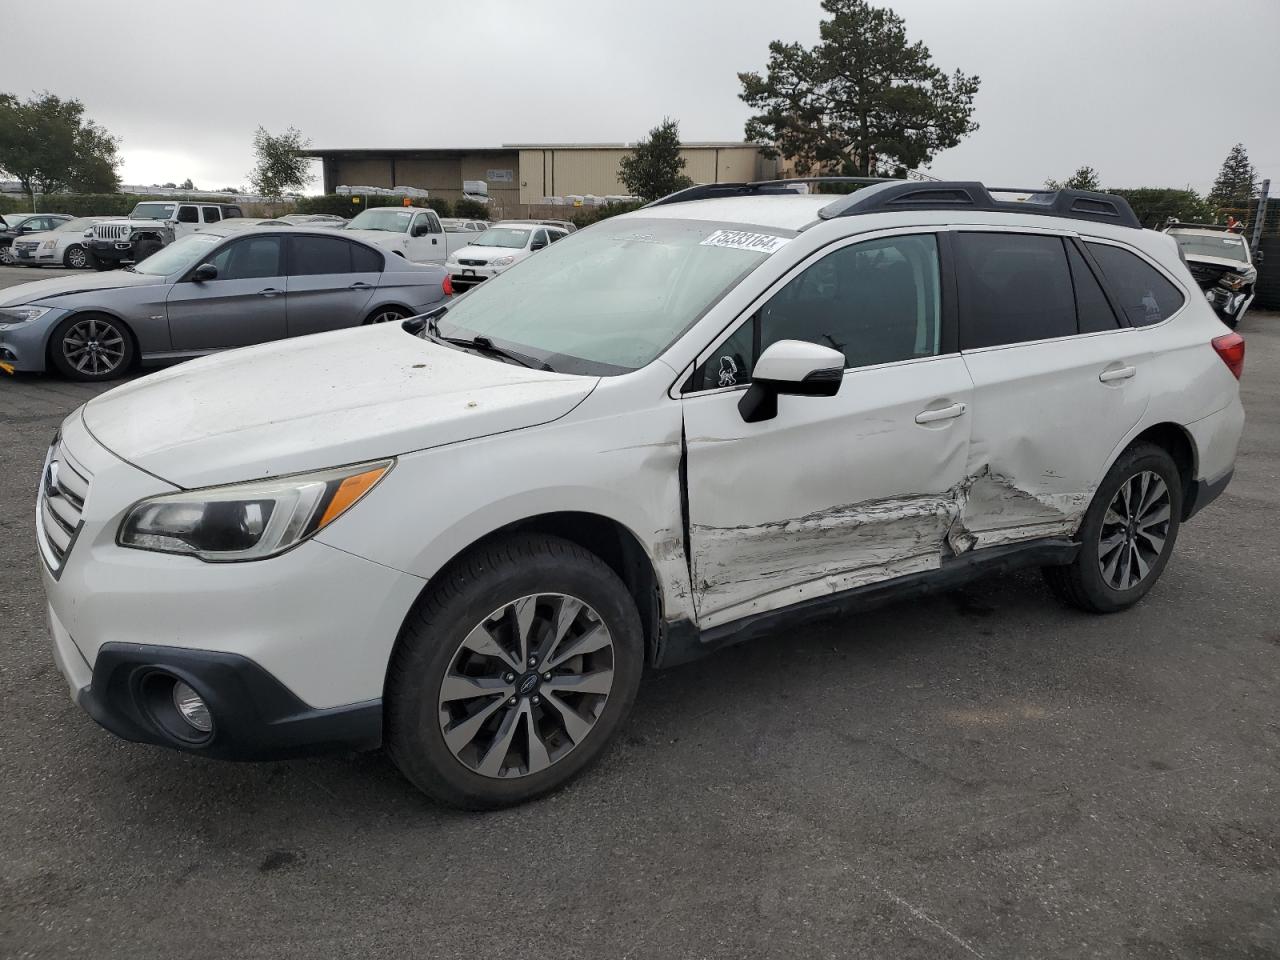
742 240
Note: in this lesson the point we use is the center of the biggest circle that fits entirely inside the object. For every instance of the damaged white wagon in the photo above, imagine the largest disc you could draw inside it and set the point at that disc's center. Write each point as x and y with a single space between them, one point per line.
466 538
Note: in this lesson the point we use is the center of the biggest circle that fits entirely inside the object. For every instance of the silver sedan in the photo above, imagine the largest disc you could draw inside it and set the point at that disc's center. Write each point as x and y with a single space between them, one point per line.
206 292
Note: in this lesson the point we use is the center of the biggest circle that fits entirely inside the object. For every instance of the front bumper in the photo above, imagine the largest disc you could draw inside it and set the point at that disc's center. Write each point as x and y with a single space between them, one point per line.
290 653
464 278
114 250
25 344
28 254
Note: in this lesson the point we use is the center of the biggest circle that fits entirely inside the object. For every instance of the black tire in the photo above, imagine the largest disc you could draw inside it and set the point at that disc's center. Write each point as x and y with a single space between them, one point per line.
1082 583
462 597
114 358
77 257
386 315
145 248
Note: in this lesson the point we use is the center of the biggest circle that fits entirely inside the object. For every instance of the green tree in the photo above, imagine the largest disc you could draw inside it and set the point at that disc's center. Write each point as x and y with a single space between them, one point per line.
281 166
1085 178
654 167
186 185
1155 205
863 99
47 145
1237 181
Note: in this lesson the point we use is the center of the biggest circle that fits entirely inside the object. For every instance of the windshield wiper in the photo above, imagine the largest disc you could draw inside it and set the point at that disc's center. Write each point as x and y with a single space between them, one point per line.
429 323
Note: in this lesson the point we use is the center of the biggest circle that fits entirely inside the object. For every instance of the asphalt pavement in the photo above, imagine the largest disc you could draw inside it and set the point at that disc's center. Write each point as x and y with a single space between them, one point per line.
985 774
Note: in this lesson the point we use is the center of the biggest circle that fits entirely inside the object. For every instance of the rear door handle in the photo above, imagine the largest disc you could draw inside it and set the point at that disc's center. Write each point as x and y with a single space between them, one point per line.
360 285
1117 373
943 413
269 292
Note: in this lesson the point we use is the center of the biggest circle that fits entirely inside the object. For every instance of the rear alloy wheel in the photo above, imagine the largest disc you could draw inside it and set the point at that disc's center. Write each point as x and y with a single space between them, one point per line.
386 315
91 347
76 257
1127 535
513 673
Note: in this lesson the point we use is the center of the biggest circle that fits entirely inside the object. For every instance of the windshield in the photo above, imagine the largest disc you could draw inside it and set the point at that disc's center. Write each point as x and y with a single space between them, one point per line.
78 225
502 237
1227 247
392 221
609 299
153 211
180 255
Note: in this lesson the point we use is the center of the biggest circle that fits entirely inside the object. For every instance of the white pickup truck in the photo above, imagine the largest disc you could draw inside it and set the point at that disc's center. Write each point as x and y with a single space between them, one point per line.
414 233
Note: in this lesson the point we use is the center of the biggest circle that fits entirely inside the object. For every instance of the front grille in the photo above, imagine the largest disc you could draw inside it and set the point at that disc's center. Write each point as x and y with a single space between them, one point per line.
110 231
64 484
473 263
27 245
458 280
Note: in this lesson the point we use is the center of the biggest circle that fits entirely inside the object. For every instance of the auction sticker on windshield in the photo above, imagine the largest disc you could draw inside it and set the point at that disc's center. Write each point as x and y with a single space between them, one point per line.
742 240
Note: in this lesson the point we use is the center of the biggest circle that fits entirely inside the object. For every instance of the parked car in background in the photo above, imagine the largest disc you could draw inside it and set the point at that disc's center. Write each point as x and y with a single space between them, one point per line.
20 224
410 232
706 420
1221 263
567 226
153 224
206 292
62 246
460 225
499 248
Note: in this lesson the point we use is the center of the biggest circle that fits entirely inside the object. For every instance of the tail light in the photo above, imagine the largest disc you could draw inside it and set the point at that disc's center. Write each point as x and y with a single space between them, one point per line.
447 286
1230 347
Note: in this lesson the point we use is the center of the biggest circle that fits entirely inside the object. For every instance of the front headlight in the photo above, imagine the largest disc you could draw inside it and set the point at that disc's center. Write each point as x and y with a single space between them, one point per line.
48 245
248 521
502 262
23 314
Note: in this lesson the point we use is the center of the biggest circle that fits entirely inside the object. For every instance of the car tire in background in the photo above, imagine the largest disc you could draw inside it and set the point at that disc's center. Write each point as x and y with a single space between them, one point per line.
386 315
77 257
512 673
7 259
91 347
1127 535
145 248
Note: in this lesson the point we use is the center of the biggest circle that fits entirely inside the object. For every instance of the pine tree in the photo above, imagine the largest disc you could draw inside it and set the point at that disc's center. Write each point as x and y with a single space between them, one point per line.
653 168
1237 181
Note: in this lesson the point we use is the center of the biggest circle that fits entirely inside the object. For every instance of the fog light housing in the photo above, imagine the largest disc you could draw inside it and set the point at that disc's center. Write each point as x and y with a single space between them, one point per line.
192 708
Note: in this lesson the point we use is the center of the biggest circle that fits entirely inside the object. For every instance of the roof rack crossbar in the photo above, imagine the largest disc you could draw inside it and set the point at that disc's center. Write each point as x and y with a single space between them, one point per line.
971 195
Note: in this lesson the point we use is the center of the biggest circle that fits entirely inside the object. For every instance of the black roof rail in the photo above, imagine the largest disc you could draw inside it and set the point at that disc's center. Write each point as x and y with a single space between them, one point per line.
707 191
971 195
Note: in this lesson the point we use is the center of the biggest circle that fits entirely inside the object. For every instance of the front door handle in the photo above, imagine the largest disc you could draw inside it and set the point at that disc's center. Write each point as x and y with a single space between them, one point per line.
269 292
360 285
942 413
1117 373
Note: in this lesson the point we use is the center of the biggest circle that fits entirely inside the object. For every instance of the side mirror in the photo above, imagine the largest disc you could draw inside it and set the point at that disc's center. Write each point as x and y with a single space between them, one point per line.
206 271
537 245
421 230
794 368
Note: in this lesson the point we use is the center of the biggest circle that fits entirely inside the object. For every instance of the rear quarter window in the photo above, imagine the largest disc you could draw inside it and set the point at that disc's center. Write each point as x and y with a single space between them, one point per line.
1144 295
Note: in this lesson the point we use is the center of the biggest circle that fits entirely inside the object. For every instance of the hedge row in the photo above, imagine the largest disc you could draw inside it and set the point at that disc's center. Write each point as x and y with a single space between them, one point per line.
115 204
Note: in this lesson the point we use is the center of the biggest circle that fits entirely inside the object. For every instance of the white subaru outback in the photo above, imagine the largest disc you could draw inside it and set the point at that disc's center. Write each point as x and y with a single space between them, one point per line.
466 538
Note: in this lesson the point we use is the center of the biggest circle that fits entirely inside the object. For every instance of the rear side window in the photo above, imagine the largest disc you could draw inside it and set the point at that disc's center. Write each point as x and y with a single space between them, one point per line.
312 256
1146 297
229 212
211 214
1094 312
1014 288
364 260
188 215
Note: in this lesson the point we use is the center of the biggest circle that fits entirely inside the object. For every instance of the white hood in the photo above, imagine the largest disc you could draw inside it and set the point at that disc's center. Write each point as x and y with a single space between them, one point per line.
381 238
320 401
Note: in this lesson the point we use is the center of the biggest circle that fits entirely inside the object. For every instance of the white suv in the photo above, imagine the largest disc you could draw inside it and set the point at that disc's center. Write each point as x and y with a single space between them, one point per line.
467 537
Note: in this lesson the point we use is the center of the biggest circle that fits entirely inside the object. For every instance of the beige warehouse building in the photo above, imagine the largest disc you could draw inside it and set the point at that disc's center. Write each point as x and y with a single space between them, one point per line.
520 175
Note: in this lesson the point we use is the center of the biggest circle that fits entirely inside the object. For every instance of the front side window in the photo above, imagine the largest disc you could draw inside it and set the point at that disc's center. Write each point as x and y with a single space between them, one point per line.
876 302
314 256
1014 288
188 215
611 299
1146 297
250 259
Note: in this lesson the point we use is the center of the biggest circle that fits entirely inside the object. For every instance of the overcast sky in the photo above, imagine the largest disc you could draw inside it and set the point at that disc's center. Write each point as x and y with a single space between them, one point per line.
1150 92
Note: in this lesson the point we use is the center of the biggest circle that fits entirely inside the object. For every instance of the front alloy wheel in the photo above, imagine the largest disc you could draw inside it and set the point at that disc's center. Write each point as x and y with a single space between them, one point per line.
6 256
526 685
1134 530
91 347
